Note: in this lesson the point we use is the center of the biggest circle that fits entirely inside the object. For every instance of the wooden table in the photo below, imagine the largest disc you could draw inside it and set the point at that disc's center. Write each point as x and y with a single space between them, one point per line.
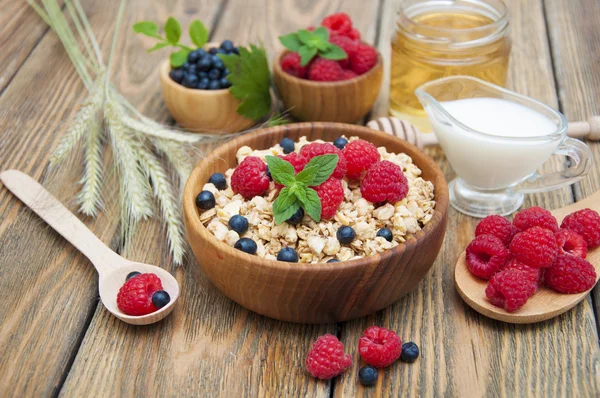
55 336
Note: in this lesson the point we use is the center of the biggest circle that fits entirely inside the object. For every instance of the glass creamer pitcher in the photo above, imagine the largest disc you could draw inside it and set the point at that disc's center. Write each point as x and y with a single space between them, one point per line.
495 140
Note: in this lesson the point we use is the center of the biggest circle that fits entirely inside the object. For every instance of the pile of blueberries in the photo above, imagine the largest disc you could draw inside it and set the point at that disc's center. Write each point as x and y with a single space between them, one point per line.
204 70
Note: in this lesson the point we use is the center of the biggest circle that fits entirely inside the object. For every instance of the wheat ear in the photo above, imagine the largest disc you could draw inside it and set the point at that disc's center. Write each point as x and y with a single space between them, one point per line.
89 198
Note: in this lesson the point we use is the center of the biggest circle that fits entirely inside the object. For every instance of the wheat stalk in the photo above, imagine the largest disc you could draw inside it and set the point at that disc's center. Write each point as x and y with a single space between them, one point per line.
89 198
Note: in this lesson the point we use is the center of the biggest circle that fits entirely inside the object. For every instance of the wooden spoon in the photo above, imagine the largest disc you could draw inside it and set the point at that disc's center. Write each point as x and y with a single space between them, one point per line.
112 268
545 303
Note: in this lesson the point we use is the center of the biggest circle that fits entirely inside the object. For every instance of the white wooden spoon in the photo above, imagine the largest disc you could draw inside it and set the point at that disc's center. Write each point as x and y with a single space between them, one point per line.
545 303
112 268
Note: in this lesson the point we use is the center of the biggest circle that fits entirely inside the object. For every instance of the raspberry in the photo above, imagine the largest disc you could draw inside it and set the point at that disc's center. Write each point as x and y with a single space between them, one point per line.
331 193
570 242
250 179
339 23
297 160
535 247
536 274
317 149
510 289
363 59
290 63
360 155
135 296
586 223
379 347
384 181
570 274
326 358
535 217
498 226
325 70
354 34
486 255
348 45
348 74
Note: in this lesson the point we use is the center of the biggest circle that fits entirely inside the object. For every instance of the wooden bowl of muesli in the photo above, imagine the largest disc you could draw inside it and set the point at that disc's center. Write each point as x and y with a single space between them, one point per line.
321 292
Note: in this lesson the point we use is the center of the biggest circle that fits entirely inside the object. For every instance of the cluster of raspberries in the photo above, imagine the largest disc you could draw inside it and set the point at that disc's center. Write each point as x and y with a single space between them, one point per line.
361 57
517 257
378 346
382 181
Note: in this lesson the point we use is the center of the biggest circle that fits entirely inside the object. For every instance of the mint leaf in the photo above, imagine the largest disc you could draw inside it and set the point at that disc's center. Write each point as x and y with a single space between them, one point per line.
325 165
291 42
321 32
173 30
306 54
281 170
158 46
178 58
334 52
300 193
285 205
312 205
147 28
198 33
307 176
305 36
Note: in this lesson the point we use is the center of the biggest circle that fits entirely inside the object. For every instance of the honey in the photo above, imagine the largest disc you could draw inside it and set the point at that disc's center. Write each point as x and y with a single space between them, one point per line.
440 38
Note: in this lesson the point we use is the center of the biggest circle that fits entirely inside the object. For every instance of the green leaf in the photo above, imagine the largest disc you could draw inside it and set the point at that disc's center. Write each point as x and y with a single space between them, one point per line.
306 54
334 52
178 58
291 41
147 28
158 46
325 165
312 206
281 170
285 206
172 30
305 36
198 33
322 33
300 193
307 176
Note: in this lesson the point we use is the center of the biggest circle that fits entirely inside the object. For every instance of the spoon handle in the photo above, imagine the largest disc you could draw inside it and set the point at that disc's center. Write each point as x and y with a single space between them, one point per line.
61 220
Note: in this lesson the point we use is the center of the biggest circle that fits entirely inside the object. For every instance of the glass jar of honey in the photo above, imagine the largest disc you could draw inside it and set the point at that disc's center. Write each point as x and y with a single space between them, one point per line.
440 38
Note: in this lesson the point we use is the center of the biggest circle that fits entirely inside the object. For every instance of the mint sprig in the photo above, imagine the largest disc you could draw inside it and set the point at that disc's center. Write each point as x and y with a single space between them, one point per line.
309 44
297 192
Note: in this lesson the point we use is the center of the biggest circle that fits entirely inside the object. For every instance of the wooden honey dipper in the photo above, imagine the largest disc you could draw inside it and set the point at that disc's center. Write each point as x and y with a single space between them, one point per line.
588 130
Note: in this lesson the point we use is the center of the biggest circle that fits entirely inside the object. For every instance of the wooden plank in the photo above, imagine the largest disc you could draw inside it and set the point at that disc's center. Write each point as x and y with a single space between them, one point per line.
209 343
462 352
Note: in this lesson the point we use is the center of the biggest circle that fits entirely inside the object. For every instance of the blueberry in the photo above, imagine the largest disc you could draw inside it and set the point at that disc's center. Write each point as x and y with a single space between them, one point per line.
288 145
227 45
221 51
333 260
224 82
204 64
214 74
218 180
214 85
201 52
205 200
367 375
288 255
268 174
385 233
246 245
193 57
192 69
203 83
297 217
132 274
160 298
238 223
340 142
345 235
177 75
202 75
215 60
213 50
190 81
185 66
236 51
410 352
218 64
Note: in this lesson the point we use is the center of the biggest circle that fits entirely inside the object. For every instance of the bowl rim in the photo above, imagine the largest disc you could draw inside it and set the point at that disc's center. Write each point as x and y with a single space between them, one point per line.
311 83
440 195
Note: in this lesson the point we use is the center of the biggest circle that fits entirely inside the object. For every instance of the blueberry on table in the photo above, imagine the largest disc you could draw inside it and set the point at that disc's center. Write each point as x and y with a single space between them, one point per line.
193 57
190 81
288 145
177 75
227 45
214 85
132 274
214 74
410 352
246 245
386 234
345 235
367 375
288 255
204 64
205 200
218 180
213 50
340 142
333 260
296 218
160 298
224 83
238 224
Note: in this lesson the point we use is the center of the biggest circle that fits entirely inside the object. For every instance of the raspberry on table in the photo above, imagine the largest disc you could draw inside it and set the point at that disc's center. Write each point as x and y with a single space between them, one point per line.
338 24
586 223
498 226
363 59
384 181
510 289
360 155
249 178
570 274
325 70
379 346
323 148
536 274
135 296
290 63
326 358
570 242
348 45
535 217
535 247
331 193
486 255
296 160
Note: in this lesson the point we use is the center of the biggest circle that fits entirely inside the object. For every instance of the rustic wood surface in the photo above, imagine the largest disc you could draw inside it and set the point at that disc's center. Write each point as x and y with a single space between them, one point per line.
55 336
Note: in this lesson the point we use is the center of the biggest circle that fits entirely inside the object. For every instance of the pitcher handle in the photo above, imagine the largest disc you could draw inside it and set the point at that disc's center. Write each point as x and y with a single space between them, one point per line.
581 163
